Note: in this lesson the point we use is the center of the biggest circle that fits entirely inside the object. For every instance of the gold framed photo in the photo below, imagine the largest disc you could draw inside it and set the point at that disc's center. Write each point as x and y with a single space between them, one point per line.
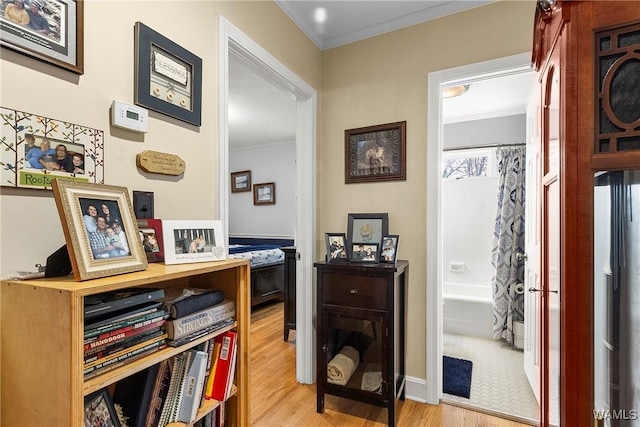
101 233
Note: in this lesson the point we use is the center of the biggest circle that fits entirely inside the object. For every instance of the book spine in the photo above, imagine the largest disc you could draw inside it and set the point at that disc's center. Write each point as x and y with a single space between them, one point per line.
224 365
159 394
179 328
118 304
201 333
95 354
123 354
93 332
94 372
121 336
195 303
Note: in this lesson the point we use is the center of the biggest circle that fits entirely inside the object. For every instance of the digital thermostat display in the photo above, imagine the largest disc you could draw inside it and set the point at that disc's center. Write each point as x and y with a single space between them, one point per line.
129 116
132 115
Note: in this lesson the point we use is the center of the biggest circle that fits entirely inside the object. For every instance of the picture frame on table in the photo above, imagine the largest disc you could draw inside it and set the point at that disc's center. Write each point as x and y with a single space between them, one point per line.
364 252
389 249
264 193
336 244
57 37
240 181
367 227
193 241
29 149
101 234
376 153
168 78
99 410
150 230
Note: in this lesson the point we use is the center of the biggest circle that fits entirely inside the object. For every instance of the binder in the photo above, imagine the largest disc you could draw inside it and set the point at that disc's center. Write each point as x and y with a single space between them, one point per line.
228 341
215 354
193 386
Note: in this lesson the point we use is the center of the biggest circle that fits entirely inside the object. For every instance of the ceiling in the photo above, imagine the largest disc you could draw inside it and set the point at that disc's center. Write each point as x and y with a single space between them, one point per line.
261 113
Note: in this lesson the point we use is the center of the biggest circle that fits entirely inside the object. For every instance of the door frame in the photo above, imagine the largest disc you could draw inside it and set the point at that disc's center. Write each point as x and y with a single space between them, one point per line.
436 81
232 41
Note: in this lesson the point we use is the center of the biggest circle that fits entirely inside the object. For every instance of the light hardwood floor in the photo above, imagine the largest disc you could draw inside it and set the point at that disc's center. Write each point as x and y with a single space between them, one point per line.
277 399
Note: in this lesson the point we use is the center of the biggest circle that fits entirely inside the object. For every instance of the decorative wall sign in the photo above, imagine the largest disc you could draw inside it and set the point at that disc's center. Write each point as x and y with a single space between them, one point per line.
162 163
35 149
168 78
53 34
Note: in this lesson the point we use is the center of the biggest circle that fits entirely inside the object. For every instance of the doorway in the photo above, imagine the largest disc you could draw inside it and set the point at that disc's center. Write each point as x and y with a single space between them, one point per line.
504 67
233 42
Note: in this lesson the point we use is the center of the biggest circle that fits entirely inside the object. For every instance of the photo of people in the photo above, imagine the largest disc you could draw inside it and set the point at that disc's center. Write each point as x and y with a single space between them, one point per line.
191 241
53 155
364 252
41 18
149 240
336 248
105 231
389 249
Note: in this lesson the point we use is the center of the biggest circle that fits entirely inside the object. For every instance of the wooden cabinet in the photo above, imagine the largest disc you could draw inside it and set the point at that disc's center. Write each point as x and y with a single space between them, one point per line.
289 290
361 307
266 283
42 341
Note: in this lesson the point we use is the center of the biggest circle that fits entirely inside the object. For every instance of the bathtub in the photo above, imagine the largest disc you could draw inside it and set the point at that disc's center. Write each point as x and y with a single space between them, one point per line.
467 310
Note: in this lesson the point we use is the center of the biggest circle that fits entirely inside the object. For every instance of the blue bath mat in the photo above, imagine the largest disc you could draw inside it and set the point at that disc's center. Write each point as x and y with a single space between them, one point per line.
456 376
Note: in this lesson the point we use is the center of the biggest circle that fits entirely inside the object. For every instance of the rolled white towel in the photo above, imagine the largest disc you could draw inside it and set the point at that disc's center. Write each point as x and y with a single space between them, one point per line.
372 378
342 366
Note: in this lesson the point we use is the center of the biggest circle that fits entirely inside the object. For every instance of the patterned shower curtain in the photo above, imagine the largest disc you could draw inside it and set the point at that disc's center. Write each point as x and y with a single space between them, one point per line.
508 240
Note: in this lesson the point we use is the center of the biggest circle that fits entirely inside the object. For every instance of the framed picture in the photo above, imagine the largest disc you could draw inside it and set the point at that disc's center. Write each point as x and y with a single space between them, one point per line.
389 248
240 181
99 228
47 30
336 247
367 228
375 153
364 252
264 194
168 78
193 241
35 149
150 231
99 410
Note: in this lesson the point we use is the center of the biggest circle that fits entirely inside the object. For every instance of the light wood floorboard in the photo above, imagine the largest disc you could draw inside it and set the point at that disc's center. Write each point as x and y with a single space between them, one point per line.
277 399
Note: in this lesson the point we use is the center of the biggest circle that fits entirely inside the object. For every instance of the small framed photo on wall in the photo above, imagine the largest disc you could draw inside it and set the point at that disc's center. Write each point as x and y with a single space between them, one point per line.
240 181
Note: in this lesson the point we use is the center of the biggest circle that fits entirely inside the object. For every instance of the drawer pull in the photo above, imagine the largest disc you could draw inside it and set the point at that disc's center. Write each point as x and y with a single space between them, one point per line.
353 291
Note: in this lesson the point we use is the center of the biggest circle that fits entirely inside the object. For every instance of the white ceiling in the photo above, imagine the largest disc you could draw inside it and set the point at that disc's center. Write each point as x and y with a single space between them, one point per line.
261 113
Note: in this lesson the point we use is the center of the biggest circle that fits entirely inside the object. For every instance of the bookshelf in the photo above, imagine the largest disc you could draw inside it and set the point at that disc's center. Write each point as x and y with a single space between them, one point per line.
42 326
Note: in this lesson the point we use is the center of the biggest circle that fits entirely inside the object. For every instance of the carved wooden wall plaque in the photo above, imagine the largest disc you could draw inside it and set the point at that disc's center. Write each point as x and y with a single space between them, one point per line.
162 163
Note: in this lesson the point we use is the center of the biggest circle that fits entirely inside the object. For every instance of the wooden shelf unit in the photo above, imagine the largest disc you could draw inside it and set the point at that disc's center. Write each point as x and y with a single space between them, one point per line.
42 327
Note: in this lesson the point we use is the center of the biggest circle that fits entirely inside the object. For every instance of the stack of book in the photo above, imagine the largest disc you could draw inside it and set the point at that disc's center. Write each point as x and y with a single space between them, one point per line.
195 313
122 326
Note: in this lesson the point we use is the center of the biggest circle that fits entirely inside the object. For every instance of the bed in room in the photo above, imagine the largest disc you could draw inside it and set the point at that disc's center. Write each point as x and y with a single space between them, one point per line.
267 265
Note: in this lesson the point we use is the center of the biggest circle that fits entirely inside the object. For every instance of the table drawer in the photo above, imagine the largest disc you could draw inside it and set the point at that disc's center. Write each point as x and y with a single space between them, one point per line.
355 291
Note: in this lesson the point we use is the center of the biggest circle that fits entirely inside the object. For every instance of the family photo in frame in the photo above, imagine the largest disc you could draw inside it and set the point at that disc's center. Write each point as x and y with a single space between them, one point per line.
336 247
193 241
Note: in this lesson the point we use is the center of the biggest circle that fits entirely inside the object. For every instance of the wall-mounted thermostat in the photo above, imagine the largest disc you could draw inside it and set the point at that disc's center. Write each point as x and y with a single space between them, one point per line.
129 116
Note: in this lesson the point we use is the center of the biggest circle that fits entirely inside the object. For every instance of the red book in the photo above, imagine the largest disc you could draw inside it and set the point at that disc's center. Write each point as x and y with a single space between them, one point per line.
224 367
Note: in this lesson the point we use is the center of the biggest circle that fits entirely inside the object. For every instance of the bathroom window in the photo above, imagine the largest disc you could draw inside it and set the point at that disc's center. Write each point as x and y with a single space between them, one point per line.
466 164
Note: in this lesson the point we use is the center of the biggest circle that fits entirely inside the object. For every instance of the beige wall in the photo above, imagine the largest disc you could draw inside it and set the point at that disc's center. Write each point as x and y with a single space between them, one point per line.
379 80
28 218
382 80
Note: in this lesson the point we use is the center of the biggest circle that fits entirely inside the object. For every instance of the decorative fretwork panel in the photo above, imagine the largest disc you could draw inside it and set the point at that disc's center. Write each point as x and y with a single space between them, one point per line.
618 89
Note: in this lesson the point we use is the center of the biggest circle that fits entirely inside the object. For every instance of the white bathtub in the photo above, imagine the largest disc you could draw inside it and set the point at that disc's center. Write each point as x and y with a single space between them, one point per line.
467 310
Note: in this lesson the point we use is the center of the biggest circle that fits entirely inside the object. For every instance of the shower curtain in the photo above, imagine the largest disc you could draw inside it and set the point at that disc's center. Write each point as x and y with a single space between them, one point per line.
508 240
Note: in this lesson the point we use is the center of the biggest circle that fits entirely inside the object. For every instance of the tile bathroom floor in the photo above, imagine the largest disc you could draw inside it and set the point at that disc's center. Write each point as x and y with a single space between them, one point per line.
498 382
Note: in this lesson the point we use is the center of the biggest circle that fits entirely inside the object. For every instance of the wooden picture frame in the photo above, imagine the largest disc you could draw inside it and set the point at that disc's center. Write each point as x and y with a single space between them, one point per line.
389 249
264 193
99 410
168 78
24 164
375 153
61 45
367 227
151 237
336 244
86 212
193 241
240 181
364 252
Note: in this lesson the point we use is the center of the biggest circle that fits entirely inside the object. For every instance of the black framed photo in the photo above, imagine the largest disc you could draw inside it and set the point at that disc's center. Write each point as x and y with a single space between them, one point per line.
48 30
168 78
264 194
367 227
99 410
336 247
376 153
389 248
364 252
240 181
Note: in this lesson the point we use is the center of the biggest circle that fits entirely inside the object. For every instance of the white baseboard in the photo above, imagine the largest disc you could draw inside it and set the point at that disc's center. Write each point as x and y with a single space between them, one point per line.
416 390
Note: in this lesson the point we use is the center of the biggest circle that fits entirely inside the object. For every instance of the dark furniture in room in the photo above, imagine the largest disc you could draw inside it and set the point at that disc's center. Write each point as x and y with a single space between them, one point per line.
362 306
289 289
